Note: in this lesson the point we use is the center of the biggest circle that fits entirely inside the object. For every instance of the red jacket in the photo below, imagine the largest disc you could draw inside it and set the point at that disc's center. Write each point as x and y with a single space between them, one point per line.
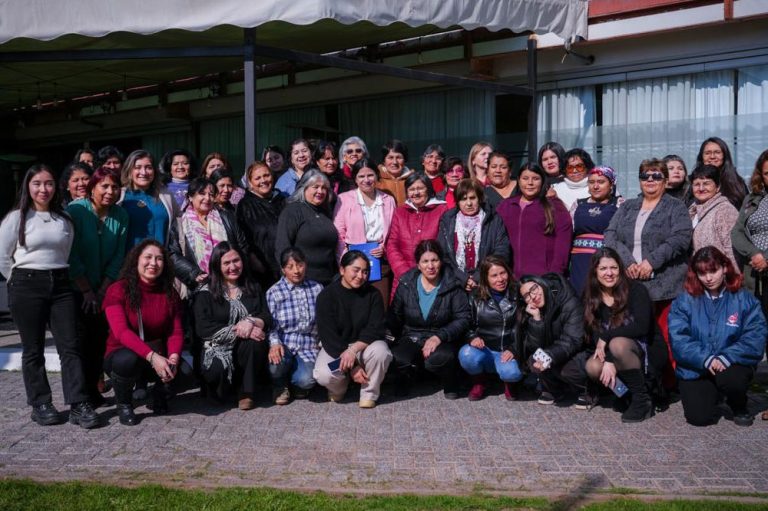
409 227
533 252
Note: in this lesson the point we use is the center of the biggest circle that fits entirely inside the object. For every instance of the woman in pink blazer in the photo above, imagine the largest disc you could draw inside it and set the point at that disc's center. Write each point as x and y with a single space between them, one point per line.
363 215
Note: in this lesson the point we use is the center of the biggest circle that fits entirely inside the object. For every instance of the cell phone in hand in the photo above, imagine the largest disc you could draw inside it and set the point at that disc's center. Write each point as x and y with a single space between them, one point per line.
543 358
335 366
619 388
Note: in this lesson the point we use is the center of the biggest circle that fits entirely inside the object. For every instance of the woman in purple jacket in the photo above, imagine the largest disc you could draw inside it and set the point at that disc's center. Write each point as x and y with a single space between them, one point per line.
539 228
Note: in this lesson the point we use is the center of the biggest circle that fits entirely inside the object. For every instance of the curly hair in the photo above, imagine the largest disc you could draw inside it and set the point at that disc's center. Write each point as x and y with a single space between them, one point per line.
130 275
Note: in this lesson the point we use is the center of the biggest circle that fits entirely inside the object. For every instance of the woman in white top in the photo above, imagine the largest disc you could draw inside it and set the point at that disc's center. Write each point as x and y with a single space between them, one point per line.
575 185
35 240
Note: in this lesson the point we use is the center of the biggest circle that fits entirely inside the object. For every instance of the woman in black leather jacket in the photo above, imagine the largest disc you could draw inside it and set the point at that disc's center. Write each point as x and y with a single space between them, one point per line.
550 318
492 330
428 318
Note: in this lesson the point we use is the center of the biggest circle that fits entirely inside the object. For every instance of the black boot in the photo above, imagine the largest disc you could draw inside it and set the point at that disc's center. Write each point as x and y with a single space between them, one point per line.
159 399
124 399
640 406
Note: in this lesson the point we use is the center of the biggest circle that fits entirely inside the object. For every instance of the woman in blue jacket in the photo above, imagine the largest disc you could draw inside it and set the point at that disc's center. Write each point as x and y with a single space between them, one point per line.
717 331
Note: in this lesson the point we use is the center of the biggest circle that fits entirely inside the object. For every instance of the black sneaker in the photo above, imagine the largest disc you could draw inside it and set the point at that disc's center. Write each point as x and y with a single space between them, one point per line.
83 415
45 414
546 398
586 402
743 419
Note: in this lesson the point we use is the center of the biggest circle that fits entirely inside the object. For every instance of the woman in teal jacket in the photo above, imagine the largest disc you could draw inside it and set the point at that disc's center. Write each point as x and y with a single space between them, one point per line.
718 332
98 249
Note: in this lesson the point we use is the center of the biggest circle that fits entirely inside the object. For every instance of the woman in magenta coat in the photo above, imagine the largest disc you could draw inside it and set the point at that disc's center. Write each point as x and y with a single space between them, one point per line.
539 228
416 220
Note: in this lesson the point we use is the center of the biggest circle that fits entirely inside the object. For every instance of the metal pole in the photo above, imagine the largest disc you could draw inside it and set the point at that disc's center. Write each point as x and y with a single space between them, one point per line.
249 107
533 112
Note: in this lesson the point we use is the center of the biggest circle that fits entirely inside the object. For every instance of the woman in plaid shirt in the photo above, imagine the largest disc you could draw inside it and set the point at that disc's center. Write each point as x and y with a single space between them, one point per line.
293 340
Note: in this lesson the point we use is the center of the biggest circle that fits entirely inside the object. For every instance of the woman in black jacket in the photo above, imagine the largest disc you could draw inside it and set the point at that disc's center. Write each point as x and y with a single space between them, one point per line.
232 318
492 331
623 337
550 322
200 228
470 232
257 215
429 317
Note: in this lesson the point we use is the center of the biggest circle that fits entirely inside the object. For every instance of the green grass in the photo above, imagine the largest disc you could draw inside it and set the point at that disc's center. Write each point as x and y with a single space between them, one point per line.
24 495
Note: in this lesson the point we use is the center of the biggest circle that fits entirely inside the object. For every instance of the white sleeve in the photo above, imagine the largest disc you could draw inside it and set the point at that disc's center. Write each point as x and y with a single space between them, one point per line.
9 238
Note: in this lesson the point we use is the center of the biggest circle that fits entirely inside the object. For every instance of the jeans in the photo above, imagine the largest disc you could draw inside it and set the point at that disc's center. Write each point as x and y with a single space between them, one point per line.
38 297
299 369
478 361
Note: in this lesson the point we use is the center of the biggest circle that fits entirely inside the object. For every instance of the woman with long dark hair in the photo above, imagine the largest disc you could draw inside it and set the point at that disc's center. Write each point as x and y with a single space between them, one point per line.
623 340
551 158
714 151
539 228
35 241
74 181
678 185
145 334
232 319
718 331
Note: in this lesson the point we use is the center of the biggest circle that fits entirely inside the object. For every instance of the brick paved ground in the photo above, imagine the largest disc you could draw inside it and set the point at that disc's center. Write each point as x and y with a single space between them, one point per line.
424 443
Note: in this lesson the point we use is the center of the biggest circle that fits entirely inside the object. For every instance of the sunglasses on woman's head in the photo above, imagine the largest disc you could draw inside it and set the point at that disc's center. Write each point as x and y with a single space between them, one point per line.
653 176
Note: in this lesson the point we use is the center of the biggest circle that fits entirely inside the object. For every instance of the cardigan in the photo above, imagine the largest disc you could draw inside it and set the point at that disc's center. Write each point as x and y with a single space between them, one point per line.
741 240
666 238
716 219
349 221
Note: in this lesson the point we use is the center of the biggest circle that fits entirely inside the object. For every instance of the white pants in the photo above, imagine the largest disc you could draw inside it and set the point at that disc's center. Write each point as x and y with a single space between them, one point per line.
376 358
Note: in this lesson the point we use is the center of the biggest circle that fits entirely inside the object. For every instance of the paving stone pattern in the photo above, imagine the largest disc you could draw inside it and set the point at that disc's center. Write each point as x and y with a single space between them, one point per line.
421 443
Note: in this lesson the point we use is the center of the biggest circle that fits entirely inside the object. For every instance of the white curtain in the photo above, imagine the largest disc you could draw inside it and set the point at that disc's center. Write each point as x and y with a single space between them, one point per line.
567 116
752 121
672 115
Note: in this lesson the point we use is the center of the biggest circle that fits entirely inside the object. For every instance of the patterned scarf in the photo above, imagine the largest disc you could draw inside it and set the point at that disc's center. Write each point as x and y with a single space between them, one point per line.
219 345
203 240
468 230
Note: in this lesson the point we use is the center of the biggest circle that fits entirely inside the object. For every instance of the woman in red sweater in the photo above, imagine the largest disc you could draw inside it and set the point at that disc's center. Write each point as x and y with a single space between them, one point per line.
144 316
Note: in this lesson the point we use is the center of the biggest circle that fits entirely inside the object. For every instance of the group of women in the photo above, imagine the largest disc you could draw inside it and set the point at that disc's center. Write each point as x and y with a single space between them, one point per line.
329 268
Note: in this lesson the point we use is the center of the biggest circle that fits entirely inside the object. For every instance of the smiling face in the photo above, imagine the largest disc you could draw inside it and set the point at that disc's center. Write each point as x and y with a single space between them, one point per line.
676 173
328 163
366 180
533 294
294 271
231 267
498 278
599 187
300 157
180 167
529 184
712 280
352 153
261 181
704 189
499 174
394 162
355 274
575 170
151 264
417 194
143 174
275 161
316 193
432 163
41 189
470 204
453 176
712 154
481 158
429 265
550 162
203 201
77 184
607 272
105 193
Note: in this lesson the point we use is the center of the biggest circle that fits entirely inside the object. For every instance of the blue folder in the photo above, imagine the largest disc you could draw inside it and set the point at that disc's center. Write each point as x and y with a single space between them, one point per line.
366 248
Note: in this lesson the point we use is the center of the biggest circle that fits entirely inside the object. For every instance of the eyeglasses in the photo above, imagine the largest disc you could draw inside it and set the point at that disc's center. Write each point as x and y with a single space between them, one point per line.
651 176
535 288
580 166
353 151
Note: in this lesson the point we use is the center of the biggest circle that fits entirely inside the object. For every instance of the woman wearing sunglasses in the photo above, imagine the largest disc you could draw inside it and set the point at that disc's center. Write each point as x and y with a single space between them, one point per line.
652 234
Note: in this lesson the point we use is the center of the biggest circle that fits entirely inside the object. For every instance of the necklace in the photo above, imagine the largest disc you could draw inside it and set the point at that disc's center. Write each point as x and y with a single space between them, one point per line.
45 217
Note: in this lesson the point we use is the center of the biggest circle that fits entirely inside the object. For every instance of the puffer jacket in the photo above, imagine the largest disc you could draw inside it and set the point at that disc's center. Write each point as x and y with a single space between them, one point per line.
493 241
560 333
494 322
448 318
731 328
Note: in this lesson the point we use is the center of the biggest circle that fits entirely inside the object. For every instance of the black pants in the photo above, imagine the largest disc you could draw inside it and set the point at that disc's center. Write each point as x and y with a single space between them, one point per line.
92 329
442 362
559 378
249 360
36 298
126 364
699 397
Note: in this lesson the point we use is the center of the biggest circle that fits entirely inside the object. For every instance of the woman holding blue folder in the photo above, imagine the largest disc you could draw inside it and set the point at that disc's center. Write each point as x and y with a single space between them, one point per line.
362 218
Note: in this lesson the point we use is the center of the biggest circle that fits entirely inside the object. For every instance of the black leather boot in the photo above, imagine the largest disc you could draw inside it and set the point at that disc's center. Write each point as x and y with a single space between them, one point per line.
640 406
124 399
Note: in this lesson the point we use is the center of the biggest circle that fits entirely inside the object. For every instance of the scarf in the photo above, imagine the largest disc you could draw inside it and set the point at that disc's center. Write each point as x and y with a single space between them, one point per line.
203 240
219 345
467 236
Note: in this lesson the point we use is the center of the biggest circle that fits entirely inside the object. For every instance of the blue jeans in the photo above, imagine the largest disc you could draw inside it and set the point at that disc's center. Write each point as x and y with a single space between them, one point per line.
299 370
478 361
